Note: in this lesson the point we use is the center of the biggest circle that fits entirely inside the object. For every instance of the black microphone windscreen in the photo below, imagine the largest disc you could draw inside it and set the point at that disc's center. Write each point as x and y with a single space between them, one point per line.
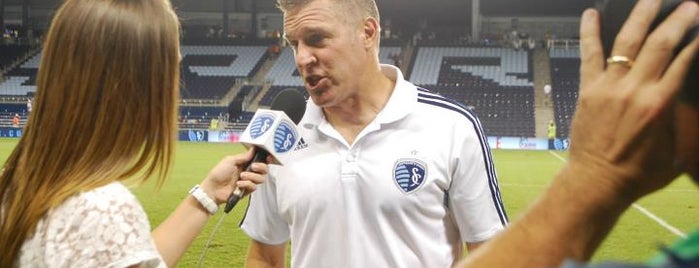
291 102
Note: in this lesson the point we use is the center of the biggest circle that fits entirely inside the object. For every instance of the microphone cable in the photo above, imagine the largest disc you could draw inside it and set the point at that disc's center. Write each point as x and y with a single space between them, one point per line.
211 238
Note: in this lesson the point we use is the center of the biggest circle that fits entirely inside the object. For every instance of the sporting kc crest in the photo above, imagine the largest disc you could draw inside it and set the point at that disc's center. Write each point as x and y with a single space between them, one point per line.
196 135
285 138
409 174
261 124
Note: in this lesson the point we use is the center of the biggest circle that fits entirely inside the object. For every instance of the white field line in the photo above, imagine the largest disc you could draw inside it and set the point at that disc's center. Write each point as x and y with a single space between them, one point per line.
660 221
558 156
643 210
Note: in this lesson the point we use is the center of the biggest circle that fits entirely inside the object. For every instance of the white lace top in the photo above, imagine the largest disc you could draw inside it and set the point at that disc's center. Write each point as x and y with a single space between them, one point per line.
105 227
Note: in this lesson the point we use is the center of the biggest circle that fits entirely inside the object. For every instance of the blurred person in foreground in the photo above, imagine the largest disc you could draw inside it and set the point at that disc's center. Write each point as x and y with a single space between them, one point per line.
386 174
649 139
105 112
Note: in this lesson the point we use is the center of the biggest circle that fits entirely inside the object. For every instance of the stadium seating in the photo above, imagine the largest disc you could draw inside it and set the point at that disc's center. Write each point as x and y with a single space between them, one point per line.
284 73
10 53
209 72
495 82
565 81
8 110
505 67
13 108
244 97
21 81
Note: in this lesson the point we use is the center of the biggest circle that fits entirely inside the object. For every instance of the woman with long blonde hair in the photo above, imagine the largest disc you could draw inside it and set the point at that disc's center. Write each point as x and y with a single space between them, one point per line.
105 112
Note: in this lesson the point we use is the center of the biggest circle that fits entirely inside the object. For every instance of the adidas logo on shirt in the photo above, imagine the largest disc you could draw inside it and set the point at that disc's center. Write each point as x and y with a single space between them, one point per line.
301 145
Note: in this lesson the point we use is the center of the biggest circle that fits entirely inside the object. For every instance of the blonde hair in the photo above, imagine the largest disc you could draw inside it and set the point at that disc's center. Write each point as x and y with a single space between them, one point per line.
105 110
362 9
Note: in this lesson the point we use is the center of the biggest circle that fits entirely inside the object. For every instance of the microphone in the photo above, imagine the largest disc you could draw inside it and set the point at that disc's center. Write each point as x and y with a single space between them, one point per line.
272 132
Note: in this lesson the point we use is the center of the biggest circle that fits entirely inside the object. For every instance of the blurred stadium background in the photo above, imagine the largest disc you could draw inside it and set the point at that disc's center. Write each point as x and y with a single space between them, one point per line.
494 56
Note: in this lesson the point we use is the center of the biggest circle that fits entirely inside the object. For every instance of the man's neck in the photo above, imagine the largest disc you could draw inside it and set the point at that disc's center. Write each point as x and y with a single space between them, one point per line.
352 116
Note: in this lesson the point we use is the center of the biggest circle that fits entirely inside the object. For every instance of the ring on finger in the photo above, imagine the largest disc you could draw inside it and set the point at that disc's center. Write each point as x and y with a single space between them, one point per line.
621 60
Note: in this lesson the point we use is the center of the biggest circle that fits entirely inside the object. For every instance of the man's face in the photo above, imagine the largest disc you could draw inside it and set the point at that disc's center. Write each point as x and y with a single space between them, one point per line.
329 50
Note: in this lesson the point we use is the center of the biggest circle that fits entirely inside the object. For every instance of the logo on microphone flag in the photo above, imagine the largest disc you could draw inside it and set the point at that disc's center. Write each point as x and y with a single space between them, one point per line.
284 137
261 125
272 131
409 174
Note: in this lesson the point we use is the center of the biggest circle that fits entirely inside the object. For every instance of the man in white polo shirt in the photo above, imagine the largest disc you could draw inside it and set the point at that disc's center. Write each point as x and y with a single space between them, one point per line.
385 174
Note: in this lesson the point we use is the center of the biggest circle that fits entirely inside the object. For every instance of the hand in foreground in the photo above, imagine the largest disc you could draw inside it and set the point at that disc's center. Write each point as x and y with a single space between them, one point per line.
687 133
229 173
623 128
622 142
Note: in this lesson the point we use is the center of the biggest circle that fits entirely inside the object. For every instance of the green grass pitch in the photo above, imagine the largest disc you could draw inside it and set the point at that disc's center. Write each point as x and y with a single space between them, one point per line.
522 177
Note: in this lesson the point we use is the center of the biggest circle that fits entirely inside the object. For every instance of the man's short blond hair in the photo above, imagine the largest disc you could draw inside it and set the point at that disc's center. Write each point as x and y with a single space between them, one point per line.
361 8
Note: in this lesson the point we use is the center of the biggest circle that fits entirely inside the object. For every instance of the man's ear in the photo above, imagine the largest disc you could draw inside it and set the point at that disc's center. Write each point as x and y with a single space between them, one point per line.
371 30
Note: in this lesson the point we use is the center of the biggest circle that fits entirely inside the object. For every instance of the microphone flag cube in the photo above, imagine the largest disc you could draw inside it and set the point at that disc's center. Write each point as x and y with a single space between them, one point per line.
272 131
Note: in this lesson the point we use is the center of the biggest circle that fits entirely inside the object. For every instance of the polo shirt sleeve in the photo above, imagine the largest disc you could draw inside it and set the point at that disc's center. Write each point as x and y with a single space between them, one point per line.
262 221
474 196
